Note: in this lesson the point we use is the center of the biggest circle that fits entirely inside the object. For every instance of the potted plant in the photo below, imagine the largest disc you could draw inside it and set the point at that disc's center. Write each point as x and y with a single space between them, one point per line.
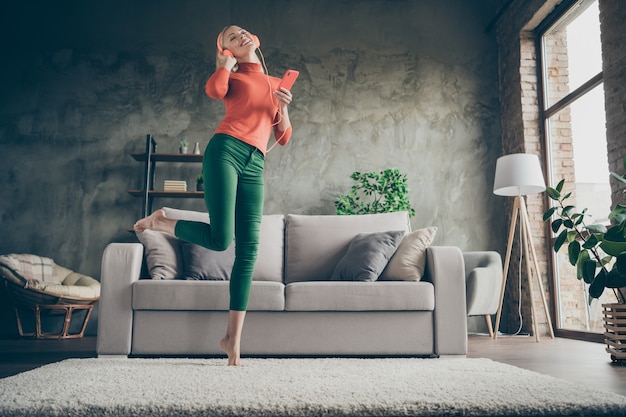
199 183
386 191
183 146
597 252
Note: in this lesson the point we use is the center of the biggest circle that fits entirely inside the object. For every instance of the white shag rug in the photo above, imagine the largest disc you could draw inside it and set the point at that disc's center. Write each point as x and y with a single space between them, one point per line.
297 387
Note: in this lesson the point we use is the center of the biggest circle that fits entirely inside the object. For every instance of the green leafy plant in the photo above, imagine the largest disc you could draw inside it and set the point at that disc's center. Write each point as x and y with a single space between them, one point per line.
386 191
597 252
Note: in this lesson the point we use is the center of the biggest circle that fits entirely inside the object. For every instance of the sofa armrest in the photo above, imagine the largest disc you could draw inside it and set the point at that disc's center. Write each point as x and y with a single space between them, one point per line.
483 282
121 266
445 268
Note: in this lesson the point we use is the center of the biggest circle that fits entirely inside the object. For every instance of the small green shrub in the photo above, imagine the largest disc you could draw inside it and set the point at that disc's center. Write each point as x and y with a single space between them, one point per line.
385 191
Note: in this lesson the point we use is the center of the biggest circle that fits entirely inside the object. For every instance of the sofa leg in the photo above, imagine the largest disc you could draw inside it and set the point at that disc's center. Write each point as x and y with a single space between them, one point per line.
112 356
489 325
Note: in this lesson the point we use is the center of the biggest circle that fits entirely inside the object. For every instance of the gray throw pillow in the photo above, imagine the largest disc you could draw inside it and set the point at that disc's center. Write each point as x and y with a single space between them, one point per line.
200 263
367 256
162 251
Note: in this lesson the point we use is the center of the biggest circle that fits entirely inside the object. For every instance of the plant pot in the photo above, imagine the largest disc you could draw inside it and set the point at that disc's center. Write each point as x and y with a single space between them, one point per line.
615 330
199 187
183 149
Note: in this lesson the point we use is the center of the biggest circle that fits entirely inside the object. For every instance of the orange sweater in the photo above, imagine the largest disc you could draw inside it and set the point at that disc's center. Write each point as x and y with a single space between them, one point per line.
251 107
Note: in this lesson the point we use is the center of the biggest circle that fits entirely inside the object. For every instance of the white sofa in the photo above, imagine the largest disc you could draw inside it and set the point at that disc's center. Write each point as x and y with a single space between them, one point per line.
294 309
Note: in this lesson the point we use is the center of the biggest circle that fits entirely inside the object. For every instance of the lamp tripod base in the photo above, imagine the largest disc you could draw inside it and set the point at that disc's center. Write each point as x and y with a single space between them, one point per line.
519 210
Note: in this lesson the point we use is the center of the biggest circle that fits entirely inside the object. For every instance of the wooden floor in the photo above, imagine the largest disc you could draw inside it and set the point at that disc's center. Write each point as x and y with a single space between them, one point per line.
584 363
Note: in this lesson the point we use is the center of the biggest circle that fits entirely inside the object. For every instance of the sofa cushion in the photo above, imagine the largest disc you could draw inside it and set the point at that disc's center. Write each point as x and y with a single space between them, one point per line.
367 256
164 256
270 259
360 296
200 263
315 244
409 260
203 295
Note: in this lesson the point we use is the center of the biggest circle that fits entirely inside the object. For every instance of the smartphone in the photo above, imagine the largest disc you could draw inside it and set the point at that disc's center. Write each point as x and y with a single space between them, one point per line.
288 79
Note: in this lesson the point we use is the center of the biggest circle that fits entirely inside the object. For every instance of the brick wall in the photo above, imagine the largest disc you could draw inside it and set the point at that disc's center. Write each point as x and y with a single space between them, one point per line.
520 133
522 129
612 16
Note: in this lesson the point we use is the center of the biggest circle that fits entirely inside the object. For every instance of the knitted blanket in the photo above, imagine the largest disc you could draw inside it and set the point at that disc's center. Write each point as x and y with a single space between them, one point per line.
31 269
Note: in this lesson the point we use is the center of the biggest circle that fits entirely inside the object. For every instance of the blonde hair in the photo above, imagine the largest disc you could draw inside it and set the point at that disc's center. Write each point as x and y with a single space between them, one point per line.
220 39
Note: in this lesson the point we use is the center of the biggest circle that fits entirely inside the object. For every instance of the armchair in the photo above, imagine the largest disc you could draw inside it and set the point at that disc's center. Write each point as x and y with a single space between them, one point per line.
483 282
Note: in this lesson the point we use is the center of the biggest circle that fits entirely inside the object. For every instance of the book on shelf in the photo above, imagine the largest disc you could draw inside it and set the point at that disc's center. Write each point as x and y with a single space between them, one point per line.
174 185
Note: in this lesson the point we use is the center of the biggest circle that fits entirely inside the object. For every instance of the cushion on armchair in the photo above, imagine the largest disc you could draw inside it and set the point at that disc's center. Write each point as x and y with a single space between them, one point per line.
44 275
29 269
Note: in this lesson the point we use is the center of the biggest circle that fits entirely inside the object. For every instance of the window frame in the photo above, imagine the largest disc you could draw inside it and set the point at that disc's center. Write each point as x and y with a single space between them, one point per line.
544 115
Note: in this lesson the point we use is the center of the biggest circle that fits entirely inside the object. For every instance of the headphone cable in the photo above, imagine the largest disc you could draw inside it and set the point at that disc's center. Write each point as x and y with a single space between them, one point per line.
278 112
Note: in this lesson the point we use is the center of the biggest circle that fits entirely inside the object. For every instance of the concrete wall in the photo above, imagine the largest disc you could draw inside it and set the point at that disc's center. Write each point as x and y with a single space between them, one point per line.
407 84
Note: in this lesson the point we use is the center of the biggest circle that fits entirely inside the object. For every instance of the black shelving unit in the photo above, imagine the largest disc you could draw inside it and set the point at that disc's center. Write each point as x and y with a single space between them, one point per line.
150 157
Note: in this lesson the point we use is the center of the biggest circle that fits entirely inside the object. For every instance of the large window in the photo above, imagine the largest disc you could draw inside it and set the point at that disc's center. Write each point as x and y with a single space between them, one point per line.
574 121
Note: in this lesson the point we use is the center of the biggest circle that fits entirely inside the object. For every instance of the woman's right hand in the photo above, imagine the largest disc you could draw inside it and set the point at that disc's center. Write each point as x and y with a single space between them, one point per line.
226 61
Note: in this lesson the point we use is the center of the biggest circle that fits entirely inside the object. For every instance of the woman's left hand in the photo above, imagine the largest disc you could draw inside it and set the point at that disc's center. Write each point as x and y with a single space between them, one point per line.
284 96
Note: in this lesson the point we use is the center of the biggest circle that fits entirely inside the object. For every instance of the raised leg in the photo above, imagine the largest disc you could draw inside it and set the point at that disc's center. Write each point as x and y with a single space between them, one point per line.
156 221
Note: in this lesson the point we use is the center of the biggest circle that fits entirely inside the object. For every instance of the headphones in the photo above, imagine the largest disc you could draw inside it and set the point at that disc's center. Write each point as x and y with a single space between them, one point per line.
226 52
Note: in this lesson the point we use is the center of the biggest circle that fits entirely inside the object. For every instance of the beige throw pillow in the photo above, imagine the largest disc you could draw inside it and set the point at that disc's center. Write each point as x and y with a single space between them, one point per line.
162 253
409 261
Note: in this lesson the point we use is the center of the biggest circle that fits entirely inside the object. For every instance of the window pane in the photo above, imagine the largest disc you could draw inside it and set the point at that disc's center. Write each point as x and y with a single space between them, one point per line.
572 52
578 154
575 313
577 140
591 166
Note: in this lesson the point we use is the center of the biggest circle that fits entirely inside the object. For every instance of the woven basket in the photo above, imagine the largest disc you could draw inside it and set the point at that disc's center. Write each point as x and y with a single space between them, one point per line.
615 330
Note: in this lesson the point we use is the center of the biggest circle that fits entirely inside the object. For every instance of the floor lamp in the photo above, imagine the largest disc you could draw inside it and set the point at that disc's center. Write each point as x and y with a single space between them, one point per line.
518 175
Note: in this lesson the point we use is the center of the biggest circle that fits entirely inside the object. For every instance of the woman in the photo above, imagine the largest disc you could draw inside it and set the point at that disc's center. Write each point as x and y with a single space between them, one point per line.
233 168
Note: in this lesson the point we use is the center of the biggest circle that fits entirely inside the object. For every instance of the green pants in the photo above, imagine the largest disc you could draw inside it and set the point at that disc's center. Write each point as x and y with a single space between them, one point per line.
234 194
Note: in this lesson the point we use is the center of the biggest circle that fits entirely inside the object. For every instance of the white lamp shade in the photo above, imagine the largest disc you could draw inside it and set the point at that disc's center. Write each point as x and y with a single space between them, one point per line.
518 174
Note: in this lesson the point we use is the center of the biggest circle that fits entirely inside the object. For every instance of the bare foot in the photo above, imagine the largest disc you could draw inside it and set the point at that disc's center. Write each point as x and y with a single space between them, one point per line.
231 351
156 221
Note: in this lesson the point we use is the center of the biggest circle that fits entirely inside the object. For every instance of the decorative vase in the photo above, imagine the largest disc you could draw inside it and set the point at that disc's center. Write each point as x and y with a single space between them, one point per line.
196 149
